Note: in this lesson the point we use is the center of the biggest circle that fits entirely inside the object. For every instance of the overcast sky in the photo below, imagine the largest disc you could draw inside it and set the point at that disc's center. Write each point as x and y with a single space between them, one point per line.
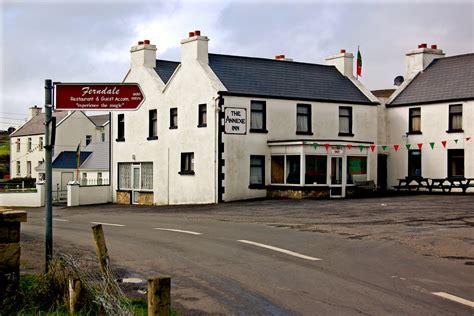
87 41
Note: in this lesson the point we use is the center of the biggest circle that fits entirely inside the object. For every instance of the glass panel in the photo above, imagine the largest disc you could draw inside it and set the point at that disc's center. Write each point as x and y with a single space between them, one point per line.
344 126
455 162
316 169
147 176
336 170
136 178
278 169
256 120
124 175
356 169
414 163
416 123
302 123
456 121
344 112
293 169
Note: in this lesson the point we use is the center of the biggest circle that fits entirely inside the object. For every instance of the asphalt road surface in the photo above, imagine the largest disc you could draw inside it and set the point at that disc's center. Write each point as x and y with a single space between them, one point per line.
223 266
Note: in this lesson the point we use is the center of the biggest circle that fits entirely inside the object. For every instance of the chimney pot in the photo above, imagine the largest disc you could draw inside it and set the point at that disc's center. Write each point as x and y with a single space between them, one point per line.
147 42
197 33
423 45
191 34
434 46
140 42
343 51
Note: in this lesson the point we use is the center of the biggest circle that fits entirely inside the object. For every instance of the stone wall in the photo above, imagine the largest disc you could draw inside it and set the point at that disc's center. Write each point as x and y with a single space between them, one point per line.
123 197
287 193
145 198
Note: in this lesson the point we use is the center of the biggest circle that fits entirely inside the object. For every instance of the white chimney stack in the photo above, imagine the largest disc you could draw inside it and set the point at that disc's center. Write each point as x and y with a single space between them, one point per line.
344 62
418 59
143 55
34 110
195 47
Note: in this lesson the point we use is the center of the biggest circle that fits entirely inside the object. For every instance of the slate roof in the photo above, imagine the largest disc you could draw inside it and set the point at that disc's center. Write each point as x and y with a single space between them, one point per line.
99 120
445 79
67 159
99 159
263 77
35 126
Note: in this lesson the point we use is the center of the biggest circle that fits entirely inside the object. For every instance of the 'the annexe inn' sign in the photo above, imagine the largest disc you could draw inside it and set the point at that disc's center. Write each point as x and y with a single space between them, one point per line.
235 120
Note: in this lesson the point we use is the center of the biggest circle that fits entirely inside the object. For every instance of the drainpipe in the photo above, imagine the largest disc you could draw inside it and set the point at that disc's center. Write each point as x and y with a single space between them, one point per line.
220 147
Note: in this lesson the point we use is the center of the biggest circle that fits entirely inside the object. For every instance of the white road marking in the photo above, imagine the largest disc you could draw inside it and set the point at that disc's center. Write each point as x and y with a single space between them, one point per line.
60 220
288 252
456 299
179 231
107 224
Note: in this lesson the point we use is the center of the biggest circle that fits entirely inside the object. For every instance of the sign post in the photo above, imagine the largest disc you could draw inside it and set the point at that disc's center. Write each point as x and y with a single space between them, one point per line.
48 98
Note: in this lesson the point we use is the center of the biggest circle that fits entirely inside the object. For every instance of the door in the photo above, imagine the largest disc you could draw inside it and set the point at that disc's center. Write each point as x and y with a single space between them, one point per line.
382 172
65 178
135 184
336 177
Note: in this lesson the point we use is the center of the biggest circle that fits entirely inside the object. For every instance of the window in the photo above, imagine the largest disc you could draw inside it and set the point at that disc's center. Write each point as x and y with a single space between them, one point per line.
414 163
99 178
29 144
28 169
455 118
356 169
187 163
124 176
257 171
41 145
316 167
84 178
88 139
173 118
202 115
147 175
303 119
455 162
18 144
120 128
152 125
414 121
345 121
293 169
258 117
102 137
278 169
18 168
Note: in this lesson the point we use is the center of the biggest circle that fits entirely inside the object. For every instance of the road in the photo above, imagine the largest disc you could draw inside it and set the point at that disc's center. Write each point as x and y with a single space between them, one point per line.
225 266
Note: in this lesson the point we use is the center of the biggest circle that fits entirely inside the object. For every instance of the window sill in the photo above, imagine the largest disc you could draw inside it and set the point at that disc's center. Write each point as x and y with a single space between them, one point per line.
304 133
186 173
262 131
346 134
173 127
455 131
120 139
257 186
152 138
414 133
202 125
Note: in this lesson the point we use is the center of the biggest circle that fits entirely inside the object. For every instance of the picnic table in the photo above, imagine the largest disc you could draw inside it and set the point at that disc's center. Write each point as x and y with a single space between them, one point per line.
407 183
460 182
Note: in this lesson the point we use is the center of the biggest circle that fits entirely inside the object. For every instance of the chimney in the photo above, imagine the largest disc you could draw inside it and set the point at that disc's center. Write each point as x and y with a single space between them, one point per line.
195 47
418 59
34 110
343 62
143 55
283 58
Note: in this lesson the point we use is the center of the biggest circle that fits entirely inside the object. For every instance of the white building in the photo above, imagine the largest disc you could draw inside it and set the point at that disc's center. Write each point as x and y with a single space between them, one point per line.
221 128
433 109
27 142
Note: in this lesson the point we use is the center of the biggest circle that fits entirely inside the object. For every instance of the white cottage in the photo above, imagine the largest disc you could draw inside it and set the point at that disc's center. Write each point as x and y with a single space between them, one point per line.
221 128
432 113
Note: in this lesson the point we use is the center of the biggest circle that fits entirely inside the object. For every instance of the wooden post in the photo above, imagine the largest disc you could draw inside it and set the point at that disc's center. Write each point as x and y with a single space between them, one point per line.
101 248
159 296
74 292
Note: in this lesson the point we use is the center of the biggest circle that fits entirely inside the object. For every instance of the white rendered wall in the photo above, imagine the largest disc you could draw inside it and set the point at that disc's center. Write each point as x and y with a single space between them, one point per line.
434 124
23 199
94 195
72 131
35 155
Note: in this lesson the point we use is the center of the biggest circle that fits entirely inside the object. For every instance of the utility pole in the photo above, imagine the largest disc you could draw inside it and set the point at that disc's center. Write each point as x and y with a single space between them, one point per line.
48 104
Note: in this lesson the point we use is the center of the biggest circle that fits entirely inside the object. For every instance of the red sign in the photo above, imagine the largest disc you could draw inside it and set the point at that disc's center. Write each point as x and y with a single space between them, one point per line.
98 96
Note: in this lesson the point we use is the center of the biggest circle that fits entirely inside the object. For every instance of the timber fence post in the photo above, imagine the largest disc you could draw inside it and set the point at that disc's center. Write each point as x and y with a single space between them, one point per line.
159 296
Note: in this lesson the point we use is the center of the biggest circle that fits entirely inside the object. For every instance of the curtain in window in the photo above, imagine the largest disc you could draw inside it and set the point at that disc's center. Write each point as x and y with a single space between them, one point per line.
256 120
147 176
302 123
344 126
416 123
457 121
124 170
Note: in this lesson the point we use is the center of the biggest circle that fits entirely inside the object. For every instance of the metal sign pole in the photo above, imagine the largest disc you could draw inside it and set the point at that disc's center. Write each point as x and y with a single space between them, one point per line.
48 100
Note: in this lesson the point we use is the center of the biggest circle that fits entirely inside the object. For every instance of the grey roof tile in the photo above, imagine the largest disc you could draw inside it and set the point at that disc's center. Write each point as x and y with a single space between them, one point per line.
35 126
445 79
99 120
165 69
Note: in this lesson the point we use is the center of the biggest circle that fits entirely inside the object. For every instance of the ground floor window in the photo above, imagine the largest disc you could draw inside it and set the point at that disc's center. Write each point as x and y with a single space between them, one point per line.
28 169
124 176
142 176
147 175
356 169
293 169
278 169
99 178
316 167
414 163
257 170
187 163
455 162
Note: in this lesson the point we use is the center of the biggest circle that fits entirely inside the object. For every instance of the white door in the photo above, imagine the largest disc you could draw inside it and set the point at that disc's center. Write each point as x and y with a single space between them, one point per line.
135 184
336 186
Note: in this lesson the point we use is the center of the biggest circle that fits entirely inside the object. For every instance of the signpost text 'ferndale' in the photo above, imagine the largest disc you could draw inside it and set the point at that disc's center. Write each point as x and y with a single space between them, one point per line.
98 96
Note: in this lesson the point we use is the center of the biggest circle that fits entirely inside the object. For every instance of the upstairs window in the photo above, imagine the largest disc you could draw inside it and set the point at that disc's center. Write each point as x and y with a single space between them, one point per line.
455 118
41 145
257 171
18 147
173 118
414 121
202 115
120 128
345 121
258 117
187 163
152 125
88 139
29 144
303 119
